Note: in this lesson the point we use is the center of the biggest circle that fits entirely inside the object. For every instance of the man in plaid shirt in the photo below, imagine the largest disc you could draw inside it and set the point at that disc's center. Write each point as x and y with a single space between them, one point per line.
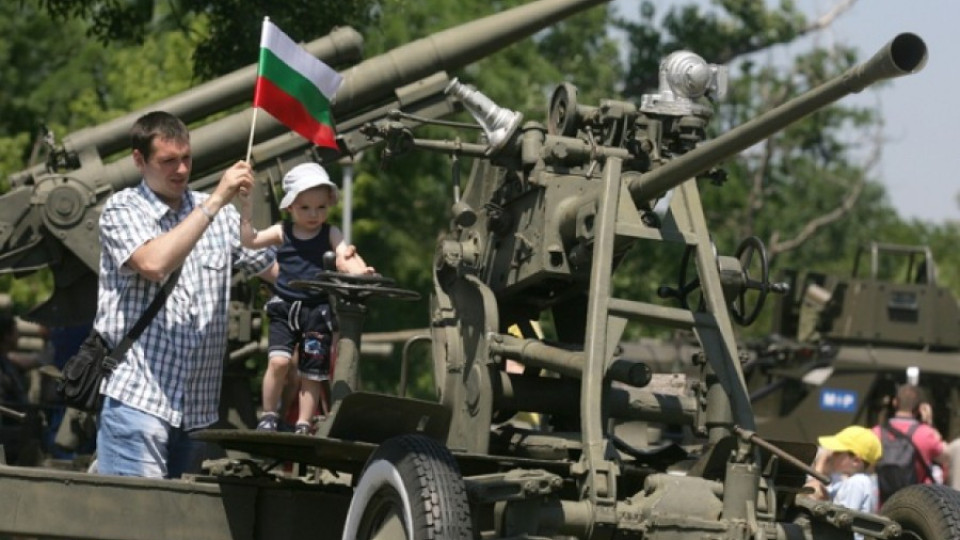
168 384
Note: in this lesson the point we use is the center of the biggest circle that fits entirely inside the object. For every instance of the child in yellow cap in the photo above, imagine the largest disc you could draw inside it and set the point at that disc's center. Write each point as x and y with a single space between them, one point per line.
845 457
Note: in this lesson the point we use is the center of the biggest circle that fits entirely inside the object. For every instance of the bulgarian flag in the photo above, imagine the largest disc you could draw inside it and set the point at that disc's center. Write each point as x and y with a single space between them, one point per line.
295 87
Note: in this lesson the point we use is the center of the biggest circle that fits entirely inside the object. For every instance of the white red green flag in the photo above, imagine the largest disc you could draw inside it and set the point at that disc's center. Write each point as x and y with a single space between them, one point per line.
295 87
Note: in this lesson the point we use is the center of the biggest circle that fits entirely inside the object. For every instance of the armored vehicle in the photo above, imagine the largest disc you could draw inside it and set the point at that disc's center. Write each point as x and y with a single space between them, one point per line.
546 217
842 344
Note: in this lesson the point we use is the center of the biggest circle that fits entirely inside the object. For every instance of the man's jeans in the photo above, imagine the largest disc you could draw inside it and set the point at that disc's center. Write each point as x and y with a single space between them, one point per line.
131 442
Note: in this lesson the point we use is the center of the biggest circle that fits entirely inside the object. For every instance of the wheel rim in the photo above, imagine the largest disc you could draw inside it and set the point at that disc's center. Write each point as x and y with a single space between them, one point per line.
383 517
377 503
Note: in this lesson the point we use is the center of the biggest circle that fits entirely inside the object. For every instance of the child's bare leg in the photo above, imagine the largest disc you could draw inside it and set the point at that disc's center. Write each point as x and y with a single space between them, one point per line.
274 380
309 399
290 393
325 397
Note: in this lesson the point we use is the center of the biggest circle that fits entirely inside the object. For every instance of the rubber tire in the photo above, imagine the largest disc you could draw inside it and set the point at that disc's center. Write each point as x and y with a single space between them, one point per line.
926 512
410 488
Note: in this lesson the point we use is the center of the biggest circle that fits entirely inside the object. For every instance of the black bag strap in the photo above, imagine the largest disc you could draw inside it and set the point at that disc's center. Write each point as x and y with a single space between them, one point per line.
909 438
116 355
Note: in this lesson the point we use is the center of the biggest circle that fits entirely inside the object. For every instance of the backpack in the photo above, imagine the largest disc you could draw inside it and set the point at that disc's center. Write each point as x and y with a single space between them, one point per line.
897 466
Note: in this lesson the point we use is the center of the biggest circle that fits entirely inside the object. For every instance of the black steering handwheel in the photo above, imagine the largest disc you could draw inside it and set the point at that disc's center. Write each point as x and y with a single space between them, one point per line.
745 253
355 287
684 288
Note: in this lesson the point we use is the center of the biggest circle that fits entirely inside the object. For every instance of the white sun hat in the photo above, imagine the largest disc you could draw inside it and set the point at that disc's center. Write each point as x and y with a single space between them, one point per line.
303 177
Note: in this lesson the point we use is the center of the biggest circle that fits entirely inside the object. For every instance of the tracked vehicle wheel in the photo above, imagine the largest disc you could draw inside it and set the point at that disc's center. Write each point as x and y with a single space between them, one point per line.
926 512
410 489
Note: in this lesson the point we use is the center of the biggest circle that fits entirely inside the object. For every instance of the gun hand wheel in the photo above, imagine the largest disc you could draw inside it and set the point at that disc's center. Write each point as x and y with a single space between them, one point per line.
684 287
355 287
738 307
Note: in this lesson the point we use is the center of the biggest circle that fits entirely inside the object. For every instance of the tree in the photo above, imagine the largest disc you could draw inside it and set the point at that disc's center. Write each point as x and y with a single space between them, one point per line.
45 66
56 78
231 33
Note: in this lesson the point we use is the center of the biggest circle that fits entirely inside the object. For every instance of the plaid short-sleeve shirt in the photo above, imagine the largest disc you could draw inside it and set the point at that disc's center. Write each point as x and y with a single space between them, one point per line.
173 371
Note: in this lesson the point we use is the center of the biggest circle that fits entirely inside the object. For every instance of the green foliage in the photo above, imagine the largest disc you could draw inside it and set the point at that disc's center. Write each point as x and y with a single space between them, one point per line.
26 294
729 30
232 34
43 65
942 240
111 20
11 156
55 77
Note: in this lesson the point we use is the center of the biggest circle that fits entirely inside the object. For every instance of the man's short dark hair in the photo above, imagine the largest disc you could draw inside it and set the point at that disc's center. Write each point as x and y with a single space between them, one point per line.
156 124
908 398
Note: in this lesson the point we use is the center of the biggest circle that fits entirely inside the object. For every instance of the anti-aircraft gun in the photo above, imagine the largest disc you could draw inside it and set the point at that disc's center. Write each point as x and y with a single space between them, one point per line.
544 222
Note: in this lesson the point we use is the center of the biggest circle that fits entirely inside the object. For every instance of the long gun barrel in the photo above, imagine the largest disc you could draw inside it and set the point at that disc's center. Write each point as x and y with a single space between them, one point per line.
341 46
376 80
369 83
903 55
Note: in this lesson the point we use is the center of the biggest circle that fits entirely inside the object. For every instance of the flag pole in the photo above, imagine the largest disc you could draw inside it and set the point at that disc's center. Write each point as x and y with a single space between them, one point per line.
253 122
253 126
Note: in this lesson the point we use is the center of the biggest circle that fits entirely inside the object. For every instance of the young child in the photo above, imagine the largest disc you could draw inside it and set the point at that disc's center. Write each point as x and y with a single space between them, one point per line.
845 457
300 318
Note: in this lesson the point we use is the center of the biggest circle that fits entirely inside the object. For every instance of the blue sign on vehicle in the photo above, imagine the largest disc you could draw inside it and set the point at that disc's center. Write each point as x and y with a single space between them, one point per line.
838 399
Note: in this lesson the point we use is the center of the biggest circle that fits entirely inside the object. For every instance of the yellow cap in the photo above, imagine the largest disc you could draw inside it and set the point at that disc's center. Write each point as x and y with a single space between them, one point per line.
856 439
